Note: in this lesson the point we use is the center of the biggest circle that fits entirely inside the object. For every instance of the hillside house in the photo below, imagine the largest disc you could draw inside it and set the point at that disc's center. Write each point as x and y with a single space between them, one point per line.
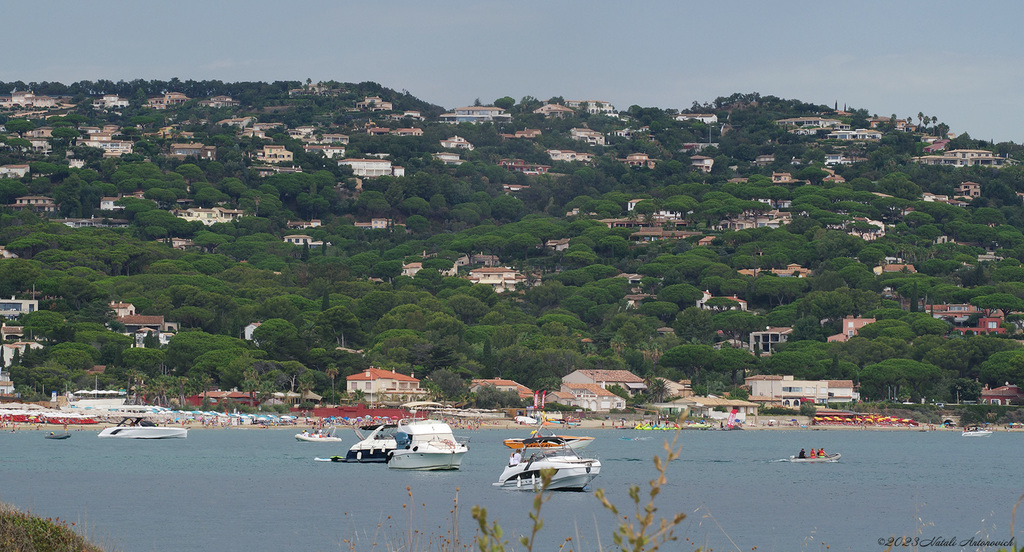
274 153
965 158
706 118
968 189
591 137
570 156
372 168
374 103
639 160
476 114
554 111
36 204
851 325
209 216
457 142
702 163
520 166
303 240
703 303
13 308
193 149
765 341
502 279
13 171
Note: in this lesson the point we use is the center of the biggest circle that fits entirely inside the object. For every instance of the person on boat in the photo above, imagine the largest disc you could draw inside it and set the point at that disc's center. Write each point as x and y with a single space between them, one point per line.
813 454
516 458
821 453
803 454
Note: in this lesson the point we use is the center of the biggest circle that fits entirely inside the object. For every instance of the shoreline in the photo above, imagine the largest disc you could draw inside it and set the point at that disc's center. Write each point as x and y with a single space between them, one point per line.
505 424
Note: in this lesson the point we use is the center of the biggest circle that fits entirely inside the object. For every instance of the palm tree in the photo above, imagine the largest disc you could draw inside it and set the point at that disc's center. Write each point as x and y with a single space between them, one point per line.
656 388
332 372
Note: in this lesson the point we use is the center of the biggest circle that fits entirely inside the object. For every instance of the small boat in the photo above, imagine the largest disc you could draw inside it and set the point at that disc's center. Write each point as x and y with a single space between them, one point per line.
572 472
318 436
375 446
331 459
425 445
54 435
545 439
975 431
834 457
139 427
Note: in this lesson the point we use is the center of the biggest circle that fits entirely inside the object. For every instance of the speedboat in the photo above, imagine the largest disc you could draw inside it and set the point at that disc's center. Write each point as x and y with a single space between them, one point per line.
318 436
62 435
572 472
425 445
975 432
834 457
540 438
375 446
138 427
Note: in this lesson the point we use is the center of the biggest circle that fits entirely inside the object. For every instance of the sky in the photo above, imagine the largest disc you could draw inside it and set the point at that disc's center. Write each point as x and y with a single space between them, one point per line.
959 61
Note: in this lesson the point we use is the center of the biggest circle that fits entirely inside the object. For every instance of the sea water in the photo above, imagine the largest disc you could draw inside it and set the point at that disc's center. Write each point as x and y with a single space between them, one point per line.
252 490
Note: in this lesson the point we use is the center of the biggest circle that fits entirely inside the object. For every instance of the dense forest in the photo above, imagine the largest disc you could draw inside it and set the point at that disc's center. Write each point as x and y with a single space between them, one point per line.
616 294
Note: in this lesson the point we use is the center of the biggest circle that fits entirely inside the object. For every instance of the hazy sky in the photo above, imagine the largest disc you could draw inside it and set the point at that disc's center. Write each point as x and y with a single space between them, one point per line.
960 61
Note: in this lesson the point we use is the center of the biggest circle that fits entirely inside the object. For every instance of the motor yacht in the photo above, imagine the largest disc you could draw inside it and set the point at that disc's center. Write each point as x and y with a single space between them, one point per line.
572 472
139 427
425 445
375 446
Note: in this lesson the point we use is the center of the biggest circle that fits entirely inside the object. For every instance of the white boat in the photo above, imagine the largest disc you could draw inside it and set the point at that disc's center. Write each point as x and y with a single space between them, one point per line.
318 436
375 446
975 432
138 427
572 472
541 438
818 459
425 445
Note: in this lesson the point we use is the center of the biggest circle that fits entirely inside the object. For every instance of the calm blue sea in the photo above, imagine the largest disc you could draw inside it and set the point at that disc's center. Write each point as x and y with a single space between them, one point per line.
254 490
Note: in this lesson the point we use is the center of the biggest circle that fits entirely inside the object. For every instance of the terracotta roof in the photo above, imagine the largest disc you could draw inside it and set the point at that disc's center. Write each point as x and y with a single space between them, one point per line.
612 376
377 374
140 320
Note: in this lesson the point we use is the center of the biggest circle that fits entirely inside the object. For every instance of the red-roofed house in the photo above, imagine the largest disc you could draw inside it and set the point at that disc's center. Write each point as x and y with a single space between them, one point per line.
502 385
605 378
376 384
1005 395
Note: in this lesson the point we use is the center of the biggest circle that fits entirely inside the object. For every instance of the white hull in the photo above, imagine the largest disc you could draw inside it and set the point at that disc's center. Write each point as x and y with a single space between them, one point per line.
571 473
435 460
425 445
122 432
308 438
978 433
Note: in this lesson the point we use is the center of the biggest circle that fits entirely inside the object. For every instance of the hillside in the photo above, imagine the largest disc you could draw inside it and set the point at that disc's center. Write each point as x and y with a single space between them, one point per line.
148 224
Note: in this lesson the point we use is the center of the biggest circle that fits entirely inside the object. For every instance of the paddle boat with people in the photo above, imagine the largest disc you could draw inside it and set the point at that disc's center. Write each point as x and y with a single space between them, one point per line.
815 457
976 431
